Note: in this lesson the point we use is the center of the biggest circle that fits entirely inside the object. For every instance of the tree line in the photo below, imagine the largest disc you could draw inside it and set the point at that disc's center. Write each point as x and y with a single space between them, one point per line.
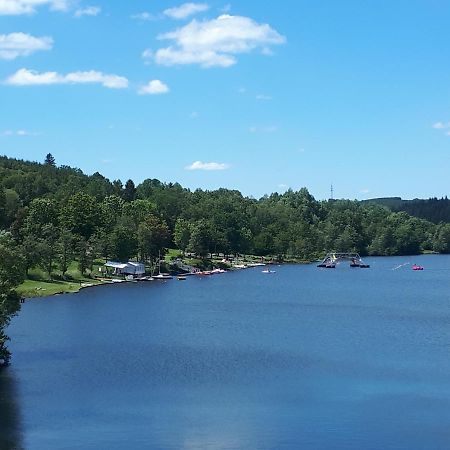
434 209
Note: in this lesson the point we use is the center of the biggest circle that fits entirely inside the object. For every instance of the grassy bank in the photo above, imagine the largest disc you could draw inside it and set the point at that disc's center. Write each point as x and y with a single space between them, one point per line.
39 284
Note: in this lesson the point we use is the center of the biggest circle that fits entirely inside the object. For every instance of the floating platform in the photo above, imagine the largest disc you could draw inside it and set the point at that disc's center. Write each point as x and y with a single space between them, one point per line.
331 259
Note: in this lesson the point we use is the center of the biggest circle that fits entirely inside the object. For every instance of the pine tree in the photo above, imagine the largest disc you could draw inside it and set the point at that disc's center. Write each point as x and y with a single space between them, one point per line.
50 160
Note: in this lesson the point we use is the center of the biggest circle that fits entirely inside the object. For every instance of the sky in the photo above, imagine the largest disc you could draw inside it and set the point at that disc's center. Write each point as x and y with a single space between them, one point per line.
259 96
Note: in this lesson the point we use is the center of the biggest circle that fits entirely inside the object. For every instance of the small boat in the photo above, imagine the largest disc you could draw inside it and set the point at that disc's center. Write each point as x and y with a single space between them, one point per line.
416 267
204 272
163 276
181 278
268 271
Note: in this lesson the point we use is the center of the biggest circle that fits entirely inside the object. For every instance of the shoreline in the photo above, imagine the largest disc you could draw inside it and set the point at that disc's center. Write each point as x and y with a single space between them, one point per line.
72 287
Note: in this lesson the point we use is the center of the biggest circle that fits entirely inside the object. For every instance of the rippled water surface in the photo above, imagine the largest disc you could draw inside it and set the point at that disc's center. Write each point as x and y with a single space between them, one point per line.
305 358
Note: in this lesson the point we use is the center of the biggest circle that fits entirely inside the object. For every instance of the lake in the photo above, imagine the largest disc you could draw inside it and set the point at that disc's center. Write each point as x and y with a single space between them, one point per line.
305 358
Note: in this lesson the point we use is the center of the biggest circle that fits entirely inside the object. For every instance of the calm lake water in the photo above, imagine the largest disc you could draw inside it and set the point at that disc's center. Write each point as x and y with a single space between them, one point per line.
305 358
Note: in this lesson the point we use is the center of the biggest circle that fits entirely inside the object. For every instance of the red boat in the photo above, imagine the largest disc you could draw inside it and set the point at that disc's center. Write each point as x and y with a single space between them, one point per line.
416 267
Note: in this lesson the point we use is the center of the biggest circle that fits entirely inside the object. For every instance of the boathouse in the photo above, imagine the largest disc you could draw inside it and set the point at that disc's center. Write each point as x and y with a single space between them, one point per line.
129 268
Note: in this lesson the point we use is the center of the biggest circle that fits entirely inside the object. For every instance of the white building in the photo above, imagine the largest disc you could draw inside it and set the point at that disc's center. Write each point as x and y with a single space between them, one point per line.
129 268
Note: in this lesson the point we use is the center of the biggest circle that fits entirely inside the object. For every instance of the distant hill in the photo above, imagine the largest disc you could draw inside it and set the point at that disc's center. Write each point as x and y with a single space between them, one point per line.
435 210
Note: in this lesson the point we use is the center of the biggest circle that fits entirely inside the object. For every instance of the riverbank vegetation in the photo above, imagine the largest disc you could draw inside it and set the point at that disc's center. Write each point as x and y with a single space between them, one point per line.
57 221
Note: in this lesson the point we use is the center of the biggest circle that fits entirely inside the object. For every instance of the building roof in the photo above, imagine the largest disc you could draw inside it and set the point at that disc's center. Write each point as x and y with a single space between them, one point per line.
116 265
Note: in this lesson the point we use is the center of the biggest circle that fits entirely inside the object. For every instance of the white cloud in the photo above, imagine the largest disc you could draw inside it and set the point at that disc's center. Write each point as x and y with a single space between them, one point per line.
25 77
215 43
88 11
263 97
185 10
266 129
441 126
199 165
154 87
145 16
147 54
20 133
14 45
19 7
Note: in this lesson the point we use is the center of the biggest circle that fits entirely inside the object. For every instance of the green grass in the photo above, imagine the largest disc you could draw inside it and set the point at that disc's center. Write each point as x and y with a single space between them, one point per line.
44 288
172 253
38 283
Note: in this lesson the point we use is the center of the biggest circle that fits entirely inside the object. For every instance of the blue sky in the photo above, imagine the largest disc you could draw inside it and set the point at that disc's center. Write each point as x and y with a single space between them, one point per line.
257 96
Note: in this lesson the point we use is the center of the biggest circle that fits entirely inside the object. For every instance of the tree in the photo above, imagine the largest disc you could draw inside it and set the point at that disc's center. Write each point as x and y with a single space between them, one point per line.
123 243
201 236
129 193
30 251
65 247
3 219
47 248
182 234
85 255
153 236
112 209
50 160
81 215
41 212
442 239
12 273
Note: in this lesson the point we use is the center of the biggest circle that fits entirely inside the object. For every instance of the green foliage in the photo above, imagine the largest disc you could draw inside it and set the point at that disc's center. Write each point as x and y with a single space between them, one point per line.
129 193
182 234
50 160
12 273
124 244
81 215
124 222
153 235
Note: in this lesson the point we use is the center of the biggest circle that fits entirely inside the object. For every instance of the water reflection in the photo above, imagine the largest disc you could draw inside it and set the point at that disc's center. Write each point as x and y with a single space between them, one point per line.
10 421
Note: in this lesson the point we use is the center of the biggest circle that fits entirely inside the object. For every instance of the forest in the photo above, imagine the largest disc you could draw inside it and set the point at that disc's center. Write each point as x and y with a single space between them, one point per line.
51 216
435 209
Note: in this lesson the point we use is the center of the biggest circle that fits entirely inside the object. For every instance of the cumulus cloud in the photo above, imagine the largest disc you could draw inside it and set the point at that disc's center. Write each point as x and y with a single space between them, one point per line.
199 165
19 7
215 43
185 10
154 87
88 11
25 77
14 45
